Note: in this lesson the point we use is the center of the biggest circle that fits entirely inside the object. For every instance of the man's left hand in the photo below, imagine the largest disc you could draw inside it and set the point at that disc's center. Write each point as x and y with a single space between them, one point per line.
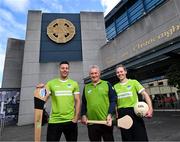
109 120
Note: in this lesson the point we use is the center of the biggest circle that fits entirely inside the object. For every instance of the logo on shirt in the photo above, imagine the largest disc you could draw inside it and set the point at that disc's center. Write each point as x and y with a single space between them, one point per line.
129 87
124 95
69 85
89 91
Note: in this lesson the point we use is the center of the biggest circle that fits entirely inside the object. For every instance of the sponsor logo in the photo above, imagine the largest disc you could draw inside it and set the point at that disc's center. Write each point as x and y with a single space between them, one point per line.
124 95
69 85
129 87
89 91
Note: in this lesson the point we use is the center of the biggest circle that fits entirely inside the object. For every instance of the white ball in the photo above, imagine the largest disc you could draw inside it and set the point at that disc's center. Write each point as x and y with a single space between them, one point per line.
140 109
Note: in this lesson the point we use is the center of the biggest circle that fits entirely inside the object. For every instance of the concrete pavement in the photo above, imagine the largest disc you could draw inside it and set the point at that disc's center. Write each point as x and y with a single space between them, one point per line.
164 126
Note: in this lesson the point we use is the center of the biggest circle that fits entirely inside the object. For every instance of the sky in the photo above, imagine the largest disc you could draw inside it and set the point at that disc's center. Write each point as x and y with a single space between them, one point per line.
13 16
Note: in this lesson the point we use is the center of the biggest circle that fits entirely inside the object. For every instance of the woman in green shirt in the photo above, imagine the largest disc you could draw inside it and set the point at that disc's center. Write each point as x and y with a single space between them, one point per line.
127 96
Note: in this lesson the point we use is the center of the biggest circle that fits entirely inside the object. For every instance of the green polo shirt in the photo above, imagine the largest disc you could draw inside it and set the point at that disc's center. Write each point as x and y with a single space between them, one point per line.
127 93
97 100
62 99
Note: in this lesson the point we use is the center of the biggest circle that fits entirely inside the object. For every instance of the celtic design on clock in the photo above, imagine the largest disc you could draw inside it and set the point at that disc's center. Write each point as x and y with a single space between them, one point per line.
60 30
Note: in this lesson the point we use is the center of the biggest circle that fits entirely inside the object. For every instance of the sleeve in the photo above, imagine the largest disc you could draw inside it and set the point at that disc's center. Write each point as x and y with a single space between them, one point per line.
76 89
84 104
139 87
112 99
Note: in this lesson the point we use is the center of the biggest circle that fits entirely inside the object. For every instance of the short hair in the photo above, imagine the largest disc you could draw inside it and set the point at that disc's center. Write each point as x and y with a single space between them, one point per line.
64 62
94 67
121 65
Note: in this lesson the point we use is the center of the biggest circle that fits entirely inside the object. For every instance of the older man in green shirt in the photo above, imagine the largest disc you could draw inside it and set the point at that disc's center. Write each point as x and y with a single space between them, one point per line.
98 103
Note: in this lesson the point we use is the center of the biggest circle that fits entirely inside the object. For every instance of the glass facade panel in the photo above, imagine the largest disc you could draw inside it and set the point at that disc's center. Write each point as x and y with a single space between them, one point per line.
130 16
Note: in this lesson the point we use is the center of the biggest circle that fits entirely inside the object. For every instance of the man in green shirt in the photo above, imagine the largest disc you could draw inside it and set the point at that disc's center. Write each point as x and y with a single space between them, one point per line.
127 92
65 110
98 103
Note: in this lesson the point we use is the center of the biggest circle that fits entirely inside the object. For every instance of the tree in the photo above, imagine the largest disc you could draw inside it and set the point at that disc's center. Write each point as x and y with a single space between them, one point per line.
173 74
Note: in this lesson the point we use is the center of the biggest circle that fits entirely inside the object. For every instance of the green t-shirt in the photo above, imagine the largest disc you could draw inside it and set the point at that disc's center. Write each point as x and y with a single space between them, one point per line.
62 99
127 93
97 100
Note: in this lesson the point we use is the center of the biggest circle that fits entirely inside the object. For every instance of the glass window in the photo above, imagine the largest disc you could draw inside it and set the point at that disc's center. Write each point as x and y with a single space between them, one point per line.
135 12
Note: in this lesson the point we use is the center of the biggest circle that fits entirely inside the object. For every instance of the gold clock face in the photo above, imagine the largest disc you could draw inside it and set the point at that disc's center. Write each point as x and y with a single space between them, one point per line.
60 30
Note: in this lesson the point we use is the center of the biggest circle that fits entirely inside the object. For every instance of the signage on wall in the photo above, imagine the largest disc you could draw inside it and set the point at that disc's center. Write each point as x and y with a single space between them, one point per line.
61 30
60 37
9 105
167 33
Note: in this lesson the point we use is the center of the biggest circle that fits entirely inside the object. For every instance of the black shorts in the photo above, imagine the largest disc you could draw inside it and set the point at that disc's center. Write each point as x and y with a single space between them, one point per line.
138 130
97 132
69 129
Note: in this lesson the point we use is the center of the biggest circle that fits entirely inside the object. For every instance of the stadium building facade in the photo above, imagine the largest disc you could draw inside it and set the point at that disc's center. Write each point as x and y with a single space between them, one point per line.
141 34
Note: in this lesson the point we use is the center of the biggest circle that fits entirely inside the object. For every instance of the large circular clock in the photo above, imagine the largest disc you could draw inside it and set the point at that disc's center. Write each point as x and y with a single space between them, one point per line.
60 30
